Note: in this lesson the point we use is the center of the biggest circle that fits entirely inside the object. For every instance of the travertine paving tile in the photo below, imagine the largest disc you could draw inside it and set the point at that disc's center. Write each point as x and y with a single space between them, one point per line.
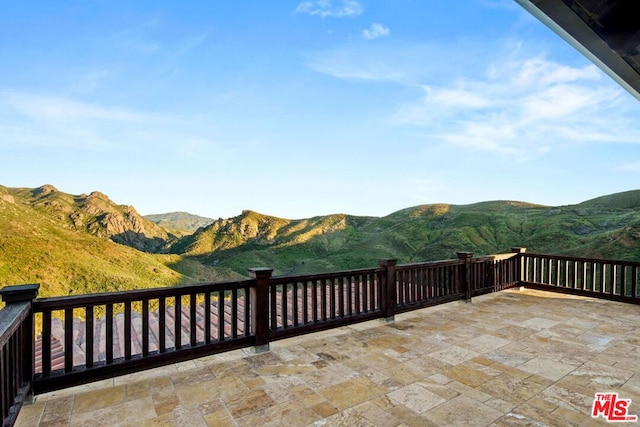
548 368
244 403
511 389
97 399
119 414
471 374
507 359
600 375
188 415
485 342
350 393
463 411
415 397
281 414
454 354
57 409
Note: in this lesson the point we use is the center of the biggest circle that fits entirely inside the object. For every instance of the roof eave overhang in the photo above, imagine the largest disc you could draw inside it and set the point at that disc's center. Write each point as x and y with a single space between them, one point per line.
561 19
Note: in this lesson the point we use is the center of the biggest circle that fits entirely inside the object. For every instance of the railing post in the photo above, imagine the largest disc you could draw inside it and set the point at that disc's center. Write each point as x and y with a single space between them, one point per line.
24 294
389 290
520 264
260 307
466 273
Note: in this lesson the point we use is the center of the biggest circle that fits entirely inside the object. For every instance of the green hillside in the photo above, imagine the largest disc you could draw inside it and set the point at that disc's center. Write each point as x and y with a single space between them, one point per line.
40 243
421 233
87 243
94 214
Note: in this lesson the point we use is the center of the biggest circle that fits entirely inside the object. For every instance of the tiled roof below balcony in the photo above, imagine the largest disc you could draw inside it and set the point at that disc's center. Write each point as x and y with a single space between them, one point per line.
508 358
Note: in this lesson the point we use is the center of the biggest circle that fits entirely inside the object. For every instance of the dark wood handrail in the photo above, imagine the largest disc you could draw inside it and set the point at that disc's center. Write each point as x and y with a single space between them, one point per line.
74 301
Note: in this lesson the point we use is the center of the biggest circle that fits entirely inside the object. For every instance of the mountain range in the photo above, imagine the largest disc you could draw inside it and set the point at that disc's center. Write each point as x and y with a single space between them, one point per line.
87 243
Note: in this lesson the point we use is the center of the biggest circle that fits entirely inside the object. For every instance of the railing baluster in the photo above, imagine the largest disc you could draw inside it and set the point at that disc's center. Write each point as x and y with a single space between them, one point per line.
353 295
193 320
127 330
109 333
207 317
314 301
145 327
305 302
294 303
11 374
284 306
601 275
68 340
332 298
162 324
349 283
177 325
273 299
323 299
341 296
221 320
234 313
372 291
88 350
247 311
46 343
5 402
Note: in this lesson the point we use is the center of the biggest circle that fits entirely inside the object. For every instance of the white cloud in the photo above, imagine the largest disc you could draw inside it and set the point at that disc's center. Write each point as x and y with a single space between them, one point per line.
523 107
324 8
500 97
44 107
38 120
375 31
628 167
389 62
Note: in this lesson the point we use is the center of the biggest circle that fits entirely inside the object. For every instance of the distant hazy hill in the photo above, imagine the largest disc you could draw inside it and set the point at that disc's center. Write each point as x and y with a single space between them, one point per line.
180 222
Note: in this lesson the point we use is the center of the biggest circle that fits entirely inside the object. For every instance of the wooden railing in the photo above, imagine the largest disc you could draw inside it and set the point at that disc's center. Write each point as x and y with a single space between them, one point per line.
84 338
608 279
167 325
429 283
16 350
77 339
302 304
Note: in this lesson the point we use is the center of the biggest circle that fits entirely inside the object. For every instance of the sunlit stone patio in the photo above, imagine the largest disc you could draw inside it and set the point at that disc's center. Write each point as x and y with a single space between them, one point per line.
518 357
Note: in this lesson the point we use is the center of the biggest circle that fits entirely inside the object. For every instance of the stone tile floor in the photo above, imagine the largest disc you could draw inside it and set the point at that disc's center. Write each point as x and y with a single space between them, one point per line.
514 358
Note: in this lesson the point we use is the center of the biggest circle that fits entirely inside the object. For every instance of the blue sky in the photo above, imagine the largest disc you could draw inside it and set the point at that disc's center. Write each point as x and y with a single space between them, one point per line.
304 108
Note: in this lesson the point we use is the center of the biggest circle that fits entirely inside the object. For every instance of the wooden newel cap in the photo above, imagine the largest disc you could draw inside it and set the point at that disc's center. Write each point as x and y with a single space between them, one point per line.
464 255
260 272
19 293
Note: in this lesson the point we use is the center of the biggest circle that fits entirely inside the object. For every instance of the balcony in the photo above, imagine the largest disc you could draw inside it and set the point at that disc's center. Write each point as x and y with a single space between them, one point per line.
510 357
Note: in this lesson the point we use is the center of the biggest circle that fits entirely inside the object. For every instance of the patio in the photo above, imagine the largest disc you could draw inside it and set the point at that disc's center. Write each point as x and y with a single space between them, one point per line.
516 357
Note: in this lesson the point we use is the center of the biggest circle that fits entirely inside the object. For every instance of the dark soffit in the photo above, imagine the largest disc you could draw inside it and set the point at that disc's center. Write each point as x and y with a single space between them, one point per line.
605 31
